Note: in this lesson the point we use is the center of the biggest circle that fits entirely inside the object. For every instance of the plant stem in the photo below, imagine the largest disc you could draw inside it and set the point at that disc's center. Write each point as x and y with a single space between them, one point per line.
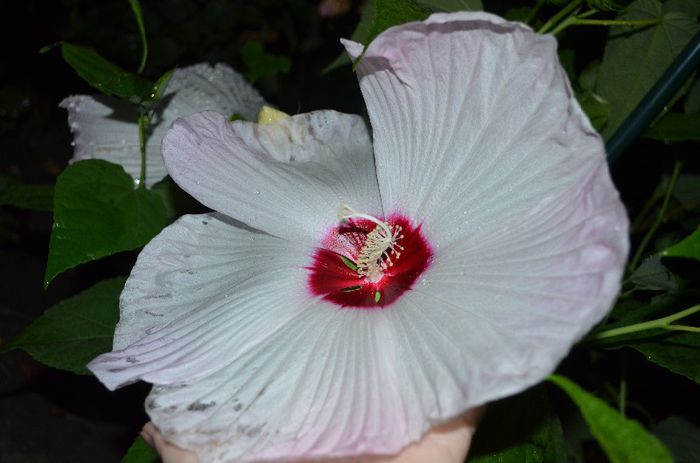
660 323
647 209
691 329
535 9
615 22
659 219
622 405
144 121
580 20
554 20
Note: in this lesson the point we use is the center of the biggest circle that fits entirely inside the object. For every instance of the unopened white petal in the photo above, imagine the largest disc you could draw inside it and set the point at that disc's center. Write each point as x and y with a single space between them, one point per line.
107 128
288 178
203 87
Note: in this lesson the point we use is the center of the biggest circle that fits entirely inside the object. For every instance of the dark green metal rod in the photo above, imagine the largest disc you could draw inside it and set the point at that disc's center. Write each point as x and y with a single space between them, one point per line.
654 101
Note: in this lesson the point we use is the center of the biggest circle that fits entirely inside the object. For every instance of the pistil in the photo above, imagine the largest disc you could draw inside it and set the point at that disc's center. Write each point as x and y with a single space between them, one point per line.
381 244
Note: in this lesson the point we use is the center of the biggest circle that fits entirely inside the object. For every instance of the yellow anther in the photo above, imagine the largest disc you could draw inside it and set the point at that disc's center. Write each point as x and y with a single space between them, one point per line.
269 115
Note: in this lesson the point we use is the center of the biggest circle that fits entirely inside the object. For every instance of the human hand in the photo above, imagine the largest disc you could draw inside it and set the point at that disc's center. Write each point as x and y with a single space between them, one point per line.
448 443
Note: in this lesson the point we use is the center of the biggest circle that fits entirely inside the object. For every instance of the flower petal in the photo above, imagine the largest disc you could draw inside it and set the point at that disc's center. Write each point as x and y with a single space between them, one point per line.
288 178
323 386
474 124
204 87
505 311
182 296
106 128
246 364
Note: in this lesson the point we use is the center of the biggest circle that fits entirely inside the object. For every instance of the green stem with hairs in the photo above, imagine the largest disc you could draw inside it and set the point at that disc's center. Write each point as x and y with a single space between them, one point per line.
659 323
616 22
535 9
557 18
690 329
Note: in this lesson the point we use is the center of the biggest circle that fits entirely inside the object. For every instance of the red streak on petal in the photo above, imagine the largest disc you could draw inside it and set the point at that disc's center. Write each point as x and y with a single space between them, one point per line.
334 281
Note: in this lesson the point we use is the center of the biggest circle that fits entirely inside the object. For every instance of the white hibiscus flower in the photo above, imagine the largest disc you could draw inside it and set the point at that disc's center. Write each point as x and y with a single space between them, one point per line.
347 296
107 128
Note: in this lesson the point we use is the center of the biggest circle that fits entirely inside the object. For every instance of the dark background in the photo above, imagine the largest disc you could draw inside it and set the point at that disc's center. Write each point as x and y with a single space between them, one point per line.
48 415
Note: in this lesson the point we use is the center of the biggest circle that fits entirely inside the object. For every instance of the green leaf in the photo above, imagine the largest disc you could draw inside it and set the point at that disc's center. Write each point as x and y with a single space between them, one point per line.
521 14
652 274
448 6
692 101
97 213
379 15
674 127
634 60
681 437
138 15
105 76
176 201
359 35
161 85
622 439
596 108
262 64
140 452
689 247
35 197
687 191
388 13
588 79
567 59
677 351
520 429
604 5
76 330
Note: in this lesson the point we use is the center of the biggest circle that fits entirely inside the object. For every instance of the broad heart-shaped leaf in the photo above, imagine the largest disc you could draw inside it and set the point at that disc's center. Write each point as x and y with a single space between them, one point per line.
106 77
596 108
622 439
675 351
675 127
681 437
379 15
692 101
35 197
97 213
389 13
520 429
140 452
652 274
76 330
689 247
262 64
449 6
634 60
687 191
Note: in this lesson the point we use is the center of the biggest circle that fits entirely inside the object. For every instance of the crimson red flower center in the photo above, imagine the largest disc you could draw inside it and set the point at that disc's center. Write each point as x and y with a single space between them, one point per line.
359 265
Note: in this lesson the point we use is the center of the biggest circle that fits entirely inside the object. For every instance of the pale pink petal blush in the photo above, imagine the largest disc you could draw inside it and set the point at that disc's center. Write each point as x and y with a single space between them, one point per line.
348 295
